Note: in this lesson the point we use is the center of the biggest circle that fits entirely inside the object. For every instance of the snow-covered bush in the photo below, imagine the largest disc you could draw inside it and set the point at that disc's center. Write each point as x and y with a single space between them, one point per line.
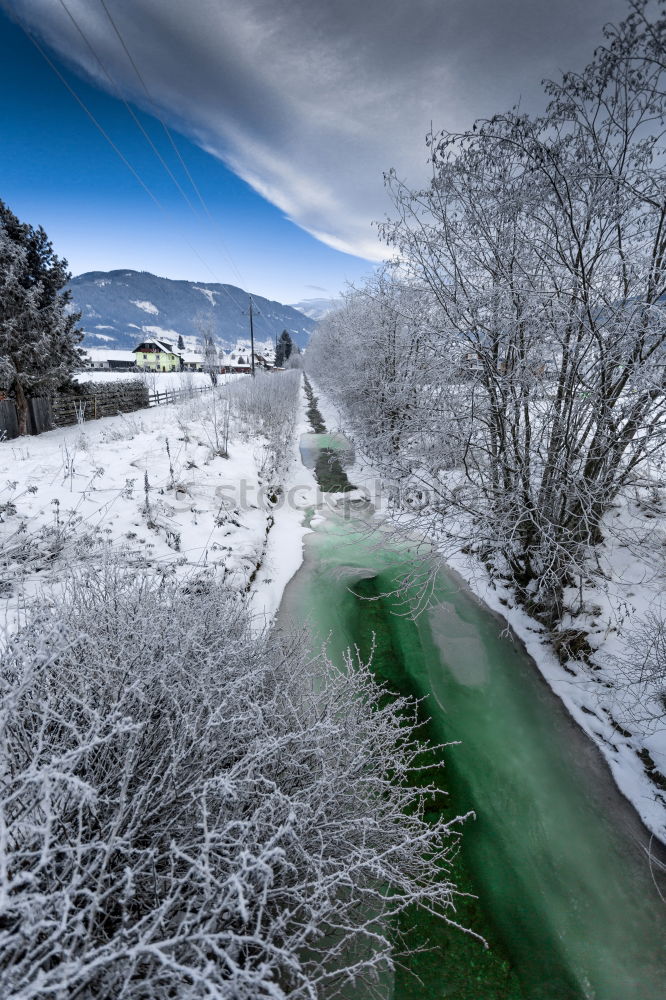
188 811
33 547
267 405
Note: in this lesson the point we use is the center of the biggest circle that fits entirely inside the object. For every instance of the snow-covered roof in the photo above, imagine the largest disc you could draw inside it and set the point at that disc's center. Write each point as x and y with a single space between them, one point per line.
190 358
165 348
99 354
231 361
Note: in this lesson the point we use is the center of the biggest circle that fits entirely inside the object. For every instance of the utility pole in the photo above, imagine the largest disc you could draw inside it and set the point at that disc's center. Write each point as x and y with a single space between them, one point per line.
251 339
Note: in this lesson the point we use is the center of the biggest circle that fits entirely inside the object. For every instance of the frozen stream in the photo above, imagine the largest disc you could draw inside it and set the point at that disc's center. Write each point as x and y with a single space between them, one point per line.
556 855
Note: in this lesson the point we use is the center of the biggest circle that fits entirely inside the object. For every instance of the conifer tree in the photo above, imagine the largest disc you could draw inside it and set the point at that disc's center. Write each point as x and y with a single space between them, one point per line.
285 346
181 342
38 327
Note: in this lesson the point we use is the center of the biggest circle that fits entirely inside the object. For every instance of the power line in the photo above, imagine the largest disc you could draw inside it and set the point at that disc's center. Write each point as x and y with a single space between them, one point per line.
92 118
82 104
79 100
167 132
128 107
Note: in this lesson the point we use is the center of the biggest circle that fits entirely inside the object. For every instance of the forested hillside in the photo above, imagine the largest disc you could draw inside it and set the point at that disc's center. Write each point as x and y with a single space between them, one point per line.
119 306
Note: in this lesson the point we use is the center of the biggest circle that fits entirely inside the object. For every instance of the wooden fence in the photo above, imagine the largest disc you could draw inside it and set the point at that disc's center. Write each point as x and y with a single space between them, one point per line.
8 419
176 395
103 401
39 417
89 402
94 400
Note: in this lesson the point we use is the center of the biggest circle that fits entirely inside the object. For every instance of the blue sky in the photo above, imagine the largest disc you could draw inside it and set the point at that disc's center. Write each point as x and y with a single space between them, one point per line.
307 102
58 171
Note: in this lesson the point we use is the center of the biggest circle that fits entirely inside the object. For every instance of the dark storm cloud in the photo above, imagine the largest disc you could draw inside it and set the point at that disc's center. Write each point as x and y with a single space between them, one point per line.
311 101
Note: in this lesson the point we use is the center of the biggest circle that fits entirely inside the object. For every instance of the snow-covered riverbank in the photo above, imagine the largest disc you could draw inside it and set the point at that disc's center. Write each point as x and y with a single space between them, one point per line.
154 486
284 546
593 695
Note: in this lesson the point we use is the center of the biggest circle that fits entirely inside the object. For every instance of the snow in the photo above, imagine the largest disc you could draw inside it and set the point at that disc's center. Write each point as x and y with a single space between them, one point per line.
156 381
99 355
104 375
75 492
284 549
101 336
84 490
210 295
146 306
630 581
316 308
161 333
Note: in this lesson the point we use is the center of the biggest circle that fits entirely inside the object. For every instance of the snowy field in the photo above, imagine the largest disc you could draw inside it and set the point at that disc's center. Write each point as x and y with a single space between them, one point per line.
152 486
156 381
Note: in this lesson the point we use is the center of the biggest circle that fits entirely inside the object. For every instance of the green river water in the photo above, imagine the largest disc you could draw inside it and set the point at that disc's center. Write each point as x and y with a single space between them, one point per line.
556 856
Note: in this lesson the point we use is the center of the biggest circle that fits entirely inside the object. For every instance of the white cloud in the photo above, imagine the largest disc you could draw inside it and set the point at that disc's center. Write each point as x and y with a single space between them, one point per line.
311 101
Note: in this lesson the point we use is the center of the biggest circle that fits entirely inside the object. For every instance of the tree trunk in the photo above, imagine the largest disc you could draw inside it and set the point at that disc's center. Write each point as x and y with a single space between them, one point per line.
22 414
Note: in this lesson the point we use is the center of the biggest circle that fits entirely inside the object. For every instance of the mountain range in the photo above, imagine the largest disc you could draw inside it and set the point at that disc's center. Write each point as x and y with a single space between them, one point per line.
120 308
317 308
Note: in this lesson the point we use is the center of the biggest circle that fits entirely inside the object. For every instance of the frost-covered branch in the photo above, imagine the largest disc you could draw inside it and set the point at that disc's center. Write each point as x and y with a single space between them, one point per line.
189 811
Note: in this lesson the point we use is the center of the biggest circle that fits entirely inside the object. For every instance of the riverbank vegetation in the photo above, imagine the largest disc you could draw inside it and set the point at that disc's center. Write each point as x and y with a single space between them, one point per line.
186 804
189 807
505 371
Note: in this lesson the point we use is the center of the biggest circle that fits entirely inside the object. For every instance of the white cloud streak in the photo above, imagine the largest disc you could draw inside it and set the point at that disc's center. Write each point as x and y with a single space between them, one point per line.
310 102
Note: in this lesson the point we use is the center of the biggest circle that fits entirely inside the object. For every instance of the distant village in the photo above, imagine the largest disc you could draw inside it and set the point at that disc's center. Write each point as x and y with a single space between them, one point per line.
161 356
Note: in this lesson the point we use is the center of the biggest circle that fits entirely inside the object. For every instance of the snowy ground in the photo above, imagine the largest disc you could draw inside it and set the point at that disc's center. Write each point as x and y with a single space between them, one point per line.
156 381
69 494
284 549
150 486
628 581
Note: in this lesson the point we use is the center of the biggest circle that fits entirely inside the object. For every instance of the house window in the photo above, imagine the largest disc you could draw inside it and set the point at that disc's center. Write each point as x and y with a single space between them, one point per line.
145 357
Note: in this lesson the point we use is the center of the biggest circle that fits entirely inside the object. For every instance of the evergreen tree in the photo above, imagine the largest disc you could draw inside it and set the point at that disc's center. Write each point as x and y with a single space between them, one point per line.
181 342
38 328
285 346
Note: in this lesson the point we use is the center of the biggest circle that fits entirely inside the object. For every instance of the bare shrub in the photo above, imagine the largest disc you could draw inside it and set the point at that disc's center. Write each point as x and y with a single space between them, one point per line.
267 405
188 811
639 693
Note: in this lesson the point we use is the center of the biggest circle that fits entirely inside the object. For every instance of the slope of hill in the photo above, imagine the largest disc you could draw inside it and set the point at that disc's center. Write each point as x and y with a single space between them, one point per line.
121 307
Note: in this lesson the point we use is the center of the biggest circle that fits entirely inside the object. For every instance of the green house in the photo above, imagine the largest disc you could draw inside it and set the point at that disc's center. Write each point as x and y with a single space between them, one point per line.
157 356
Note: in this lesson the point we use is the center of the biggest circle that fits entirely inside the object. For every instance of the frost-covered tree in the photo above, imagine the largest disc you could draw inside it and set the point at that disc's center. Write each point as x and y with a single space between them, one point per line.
541 242
38 327
374 356
638 695
207 346
211 359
